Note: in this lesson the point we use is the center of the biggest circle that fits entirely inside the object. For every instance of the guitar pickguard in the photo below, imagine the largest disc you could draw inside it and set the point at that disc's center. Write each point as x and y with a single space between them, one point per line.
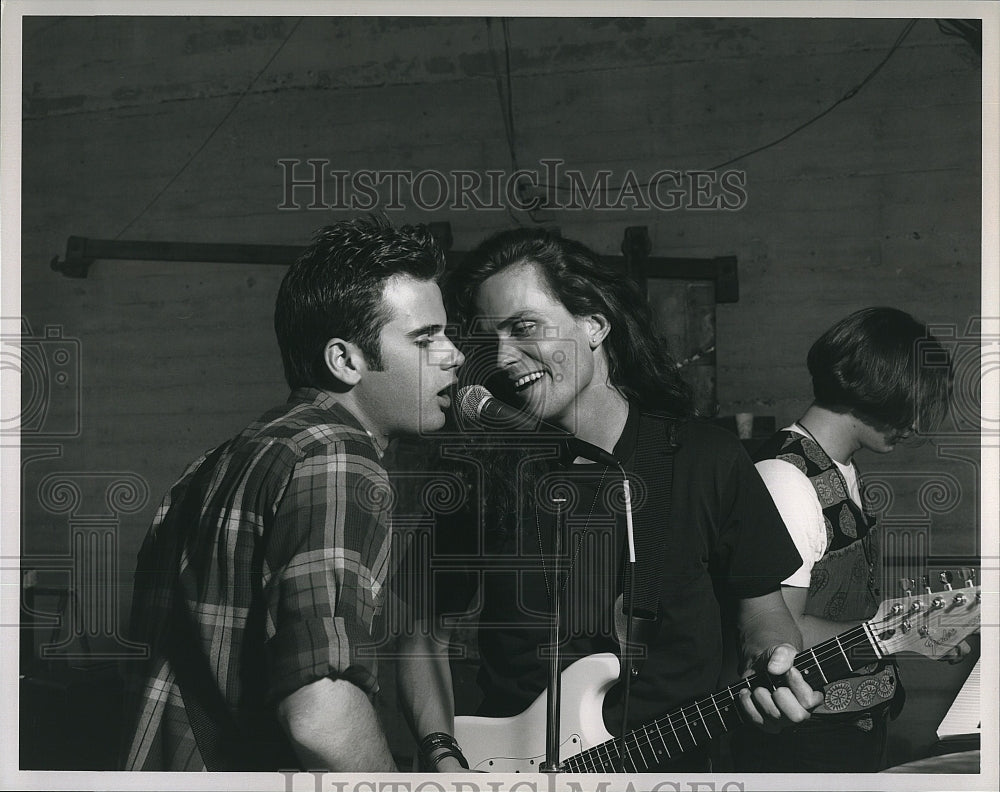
525 764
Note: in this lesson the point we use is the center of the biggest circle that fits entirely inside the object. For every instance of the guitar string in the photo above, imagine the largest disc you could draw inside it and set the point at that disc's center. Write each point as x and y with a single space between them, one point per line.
848 640
696 708
674 730
833 648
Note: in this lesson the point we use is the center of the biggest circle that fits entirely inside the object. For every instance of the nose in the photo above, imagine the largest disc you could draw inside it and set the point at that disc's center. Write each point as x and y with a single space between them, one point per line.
506 355
453 357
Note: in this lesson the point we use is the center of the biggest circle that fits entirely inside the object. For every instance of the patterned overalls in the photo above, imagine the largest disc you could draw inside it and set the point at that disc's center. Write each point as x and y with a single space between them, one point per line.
843 584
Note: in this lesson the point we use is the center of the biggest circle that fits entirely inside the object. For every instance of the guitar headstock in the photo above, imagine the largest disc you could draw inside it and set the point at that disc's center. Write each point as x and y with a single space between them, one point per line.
930 623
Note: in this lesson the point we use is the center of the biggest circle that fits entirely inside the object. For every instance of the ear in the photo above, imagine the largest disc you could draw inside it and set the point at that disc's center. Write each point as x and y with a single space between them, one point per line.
598 328
345 361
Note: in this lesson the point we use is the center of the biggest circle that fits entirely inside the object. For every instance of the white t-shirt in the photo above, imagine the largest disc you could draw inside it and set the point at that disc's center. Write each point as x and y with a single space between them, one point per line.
799 507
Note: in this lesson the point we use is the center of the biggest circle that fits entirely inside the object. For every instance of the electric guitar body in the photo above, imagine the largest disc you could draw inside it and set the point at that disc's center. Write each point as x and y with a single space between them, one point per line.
517 744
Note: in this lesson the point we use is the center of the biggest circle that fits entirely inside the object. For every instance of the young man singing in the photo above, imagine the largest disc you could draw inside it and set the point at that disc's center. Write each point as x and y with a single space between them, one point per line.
265 565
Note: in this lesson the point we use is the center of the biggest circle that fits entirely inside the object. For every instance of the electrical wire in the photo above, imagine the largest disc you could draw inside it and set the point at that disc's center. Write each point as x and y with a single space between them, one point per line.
505 99
213 133
850 94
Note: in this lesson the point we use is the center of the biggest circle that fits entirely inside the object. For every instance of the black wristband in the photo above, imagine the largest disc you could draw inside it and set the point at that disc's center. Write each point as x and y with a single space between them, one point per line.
456 752
436 746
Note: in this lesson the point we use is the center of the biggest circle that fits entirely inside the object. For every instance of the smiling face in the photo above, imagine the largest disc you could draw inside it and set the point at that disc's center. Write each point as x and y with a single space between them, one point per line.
410 394
553 359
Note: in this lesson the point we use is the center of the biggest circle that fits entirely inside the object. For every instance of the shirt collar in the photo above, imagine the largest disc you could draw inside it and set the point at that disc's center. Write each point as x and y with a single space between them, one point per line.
627 441
324 400
625 447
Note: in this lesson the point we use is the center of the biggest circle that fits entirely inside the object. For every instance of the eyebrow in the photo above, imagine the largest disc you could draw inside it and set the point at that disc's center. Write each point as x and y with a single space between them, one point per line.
430 329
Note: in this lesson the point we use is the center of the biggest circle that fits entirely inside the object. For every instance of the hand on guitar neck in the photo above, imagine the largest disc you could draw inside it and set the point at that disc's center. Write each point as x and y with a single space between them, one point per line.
781 697
788 702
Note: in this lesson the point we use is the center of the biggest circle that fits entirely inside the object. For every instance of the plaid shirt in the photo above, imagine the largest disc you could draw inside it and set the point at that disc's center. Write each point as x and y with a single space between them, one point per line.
275 553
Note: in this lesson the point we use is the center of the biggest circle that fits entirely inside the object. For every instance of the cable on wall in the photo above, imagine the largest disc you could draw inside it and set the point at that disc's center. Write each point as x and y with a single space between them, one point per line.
505 95
849 94
213 133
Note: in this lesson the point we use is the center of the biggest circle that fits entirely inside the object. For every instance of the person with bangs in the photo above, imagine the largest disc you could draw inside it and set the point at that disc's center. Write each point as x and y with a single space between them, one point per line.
879 377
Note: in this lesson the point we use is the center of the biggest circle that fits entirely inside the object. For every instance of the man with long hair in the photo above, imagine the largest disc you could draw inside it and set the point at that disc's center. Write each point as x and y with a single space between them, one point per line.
261 576
879 377
575 347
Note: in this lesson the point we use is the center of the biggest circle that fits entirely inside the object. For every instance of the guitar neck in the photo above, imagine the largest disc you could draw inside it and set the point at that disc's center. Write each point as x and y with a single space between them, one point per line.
696 724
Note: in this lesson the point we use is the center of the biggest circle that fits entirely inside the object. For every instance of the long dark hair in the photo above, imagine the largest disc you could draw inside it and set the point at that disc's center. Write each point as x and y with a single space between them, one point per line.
639 364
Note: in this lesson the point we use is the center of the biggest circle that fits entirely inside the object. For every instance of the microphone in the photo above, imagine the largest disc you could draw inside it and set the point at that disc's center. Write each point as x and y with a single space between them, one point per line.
482 408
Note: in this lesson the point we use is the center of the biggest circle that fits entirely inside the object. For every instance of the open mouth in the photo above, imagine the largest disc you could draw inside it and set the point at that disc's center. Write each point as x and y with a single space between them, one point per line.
526 381
444 396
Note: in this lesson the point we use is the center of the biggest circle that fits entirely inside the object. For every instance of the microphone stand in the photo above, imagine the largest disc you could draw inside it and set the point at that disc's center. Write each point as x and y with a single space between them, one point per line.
553 691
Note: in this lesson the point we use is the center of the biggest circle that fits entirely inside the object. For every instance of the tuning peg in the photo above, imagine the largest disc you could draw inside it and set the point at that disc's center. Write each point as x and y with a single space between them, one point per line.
969 576
905 626
959 599
924 631
946 578
897 609
907 585
937 603
916 605
927 584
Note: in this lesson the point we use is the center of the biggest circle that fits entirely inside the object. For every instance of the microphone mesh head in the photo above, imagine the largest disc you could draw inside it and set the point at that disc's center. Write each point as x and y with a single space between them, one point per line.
470 401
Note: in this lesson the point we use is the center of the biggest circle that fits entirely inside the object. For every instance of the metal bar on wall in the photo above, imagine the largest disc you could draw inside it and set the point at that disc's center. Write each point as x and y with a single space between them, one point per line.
82 252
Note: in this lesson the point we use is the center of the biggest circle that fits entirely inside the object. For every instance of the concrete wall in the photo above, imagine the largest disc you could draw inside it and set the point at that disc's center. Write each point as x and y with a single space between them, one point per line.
172 129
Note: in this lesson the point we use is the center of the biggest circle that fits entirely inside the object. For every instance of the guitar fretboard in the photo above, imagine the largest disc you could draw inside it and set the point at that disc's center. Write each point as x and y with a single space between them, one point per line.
668 737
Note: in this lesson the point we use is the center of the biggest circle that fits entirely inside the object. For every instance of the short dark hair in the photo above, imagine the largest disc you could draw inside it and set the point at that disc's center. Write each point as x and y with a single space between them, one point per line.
335 290
874 364
638 361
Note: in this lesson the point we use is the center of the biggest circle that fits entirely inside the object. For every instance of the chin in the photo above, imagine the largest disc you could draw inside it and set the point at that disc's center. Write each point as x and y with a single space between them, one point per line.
542 406
431 423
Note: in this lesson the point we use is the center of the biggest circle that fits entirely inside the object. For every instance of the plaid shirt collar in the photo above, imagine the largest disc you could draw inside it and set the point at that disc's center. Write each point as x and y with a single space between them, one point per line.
325 400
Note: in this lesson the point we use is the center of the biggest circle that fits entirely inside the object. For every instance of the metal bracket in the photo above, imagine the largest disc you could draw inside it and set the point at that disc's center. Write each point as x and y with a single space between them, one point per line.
81 252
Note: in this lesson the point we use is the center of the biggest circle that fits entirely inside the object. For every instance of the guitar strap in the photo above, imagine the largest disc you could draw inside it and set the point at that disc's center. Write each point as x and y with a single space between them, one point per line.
653 466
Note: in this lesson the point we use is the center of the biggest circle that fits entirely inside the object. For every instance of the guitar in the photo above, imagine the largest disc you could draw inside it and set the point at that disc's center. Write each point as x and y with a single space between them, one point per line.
929 623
